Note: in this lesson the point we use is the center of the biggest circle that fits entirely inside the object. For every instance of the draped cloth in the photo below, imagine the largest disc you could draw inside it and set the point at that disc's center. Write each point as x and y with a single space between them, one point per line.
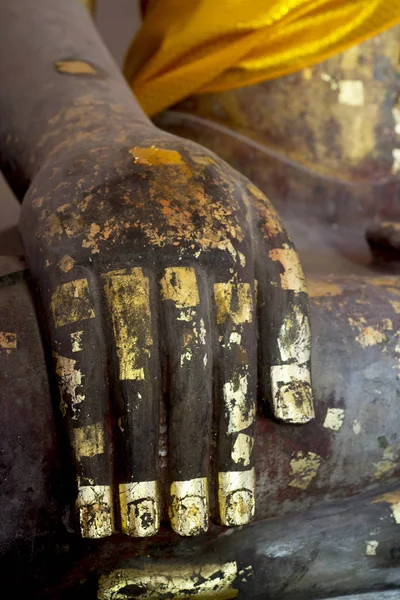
187 47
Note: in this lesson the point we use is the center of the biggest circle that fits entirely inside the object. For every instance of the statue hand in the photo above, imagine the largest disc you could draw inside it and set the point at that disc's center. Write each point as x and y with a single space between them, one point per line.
158 268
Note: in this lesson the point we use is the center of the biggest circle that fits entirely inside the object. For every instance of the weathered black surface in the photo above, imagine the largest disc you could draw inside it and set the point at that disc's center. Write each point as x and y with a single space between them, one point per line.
307 552
94 205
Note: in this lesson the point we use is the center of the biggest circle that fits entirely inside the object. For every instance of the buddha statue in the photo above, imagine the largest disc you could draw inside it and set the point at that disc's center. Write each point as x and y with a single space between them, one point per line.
162 436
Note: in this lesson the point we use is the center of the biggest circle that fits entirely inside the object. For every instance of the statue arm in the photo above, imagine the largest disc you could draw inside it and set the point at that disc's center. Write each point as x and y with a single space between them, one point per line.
54 60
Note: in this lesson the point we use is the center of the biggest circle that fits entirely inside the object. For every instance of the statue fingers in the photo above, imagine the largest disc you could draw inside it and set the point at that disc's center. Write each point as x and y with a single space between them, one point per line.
236 378
130 298
284 326
78 349
186 347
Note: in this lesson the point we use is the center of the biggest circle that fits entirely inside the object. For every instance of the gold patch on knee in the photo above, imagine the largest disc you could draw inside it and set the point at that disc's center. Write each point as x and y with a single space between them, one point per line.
304 468
322 288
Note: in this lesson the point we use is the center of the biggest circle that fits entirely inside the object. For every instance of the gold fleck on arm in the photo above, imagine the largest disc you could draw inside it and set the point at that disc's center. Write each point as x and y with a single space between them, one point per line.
75 67
157 157
304 468
318 288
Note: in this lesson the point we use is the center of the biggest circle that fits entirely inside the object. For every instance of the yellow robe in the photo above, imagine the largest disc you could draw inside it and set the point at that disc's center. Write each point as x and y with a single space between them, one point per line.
187 47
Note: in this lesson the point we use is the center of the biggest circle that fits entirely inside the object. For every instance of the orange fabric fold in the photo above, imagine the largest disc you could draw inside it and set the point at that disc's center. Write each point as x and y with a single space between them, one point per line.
187 47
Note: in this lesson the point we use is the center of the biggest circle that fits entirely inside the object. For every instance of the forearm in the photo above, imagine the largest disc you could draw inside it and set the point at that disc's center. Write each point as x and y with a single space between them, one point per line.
42 105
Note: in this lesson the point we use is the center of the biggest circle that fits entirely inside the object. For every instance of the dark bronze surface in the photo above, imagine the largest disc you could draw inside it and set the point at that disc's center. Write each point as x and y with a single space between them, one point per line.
104 191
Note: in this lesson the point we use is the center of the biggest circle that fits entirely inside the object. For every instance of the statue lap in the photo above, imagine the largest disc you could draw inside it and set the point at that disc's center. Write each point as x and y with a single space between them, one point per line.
336 476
